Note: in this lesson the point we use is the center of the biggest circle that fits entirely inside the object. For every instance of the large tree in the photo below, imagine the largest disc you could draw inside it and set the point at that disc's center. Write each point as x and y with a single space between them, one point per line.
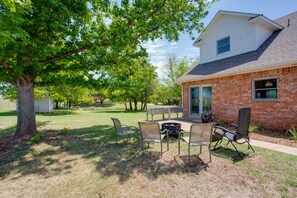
39 38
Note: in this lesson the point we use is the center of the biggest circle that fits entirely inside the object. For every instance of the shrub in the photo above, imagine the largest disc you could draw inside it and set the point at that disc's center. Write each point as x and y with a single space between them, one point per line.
64 131
261 127
36 138
221 122
293 131
252 128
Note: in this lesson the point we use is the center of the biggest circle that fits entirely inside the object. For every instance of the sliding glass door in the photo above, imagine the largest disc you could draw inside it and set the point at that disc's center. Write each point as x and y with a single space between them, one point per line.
194 101
206 99
200 99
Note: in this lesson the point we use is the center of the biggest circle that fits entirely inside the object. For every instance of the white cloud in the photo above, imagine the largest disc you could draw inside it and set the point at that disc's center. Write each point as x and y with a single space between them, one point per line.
174 43
191 48
158 51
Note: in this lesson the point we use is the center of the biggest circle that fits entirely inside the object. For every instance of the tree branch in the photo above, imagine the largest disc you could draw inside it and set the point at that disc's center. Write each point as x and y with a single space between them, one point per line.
149 31
84 48
6 66
57 58
54 59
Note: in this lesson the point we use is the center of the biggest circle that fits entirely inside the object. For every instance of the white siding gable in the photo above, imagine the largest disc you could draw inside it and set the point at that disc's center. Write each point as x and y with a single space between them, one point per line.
244 36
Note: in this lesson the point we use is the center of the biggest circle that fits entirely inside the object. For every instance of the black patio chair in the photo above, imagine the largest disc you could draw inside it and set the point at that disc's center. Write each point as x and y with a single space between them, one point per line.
241 131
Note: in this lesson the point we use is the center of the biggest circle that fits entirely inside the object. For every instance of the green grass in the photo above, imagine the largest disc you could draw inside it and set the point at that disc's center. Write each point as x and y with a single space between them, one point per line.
78 157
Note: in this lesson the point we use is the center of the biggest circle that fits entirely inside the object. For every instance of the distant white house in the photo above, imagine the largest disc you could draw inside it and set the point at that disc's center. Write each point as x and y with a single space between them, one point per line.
44 105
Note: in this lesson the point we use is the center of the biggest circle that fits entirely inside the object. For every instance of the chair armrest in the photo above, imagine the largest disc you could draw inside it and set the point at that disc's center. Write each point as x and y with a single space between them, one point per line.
165 131
224 130
180 135
220 127
125 126
130 127
233 125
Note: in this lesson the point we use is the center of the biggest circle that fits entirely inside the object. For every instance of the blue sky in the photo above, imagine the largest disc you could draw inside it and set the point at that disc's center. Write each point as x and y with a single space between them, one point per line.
272 9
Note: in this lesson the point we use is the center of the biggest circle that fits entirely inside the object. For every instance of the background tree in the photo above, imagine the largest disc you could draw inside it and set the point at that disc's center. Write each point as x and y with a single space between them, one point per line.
133 83
39 38
172 70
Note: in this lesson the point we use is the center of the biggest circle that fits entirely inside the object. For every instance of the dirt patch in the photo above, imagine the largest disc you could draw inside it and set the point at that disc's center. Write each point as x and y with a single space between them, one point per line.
275 137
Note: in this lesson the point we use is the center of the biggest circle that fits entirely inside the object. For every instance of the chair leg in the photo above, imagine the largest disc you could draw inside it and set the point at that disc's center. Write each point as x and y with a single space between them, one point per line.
116 138
138 137
250 146
236 150
161 149
167 138
227 143
209 151
178 145
189 155
217 143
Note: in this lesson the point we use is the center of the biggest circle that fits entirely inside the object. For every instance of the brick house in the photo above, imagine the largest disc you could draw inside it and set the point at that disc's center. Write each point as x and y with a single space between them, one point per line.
246 60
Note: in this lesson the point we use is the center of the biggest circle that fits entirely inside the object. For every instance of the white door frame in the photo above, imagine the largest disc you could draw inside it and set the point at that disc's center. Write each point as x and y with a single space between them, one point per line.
200 97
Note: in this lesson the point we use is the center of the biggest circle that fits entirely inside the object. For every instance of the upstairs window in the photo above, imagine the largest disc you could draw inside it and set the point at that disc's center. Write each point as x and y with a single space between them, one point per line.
223 45
265 89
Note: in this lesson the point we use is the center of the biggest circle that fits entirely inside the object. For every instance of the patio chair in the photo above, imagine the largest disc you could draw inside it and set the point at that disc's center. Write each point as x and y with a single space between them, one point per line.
150 132
123 130
200 135
241 131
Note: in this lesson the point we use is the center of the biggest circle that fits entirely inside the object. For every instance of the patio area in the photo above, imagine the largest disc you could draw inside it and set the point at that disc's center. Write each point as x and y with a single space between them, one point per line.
186 125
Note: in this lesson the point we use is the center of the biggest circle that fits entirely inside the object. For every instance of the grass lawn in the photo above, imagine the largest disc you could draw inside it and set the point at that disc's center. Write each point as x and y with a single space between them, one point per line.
85 161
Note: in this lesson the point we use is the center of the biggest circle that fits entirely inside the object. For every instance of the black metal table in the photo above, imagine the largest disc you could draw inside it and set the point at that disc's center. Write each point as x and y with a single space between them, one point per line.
173 128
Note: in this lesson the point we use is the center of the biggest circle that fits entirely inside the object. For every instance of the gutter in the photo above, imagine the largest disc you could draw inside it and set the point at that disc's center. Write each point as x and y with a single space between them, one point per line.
266 68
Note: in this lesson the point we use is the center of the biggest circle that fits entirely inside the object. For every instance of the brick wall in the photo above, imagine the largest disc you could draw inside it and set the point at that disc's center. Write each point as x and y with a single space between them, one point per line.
233 92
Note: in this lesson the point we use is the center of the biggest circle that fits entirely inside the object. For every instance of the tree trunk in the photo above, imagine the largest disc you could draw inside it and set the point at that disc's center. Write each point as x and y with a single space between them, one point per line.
135 105
69 104
126 108
57 104
26 122
130 103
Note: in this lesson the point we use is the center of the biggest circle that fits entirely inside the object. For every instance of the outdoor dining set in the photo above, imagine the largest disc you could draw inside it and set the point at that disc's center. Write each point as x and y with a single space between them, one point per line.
200 134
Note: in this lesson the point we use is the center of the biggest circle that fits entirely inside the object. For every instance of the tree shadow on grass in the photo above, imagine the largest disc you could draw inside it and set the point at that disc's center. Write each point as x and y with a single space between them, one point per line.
116 111
58 113
95 144
9 131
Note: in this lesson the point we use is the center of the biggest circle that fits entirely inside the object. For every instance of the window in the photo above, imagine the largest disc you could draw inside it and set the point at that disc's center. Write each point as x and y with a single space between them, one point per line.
223 45
265 89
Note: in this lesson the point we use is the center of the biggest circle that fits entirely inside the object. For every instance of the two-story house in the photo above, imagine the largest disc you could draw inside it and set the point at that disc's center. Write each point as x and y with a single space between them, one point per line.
246 60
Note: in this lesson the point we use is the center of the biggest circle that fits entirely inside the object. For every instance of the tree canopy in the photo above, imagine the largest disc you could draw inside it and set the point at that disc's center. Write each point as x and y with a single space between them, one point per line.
40 39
